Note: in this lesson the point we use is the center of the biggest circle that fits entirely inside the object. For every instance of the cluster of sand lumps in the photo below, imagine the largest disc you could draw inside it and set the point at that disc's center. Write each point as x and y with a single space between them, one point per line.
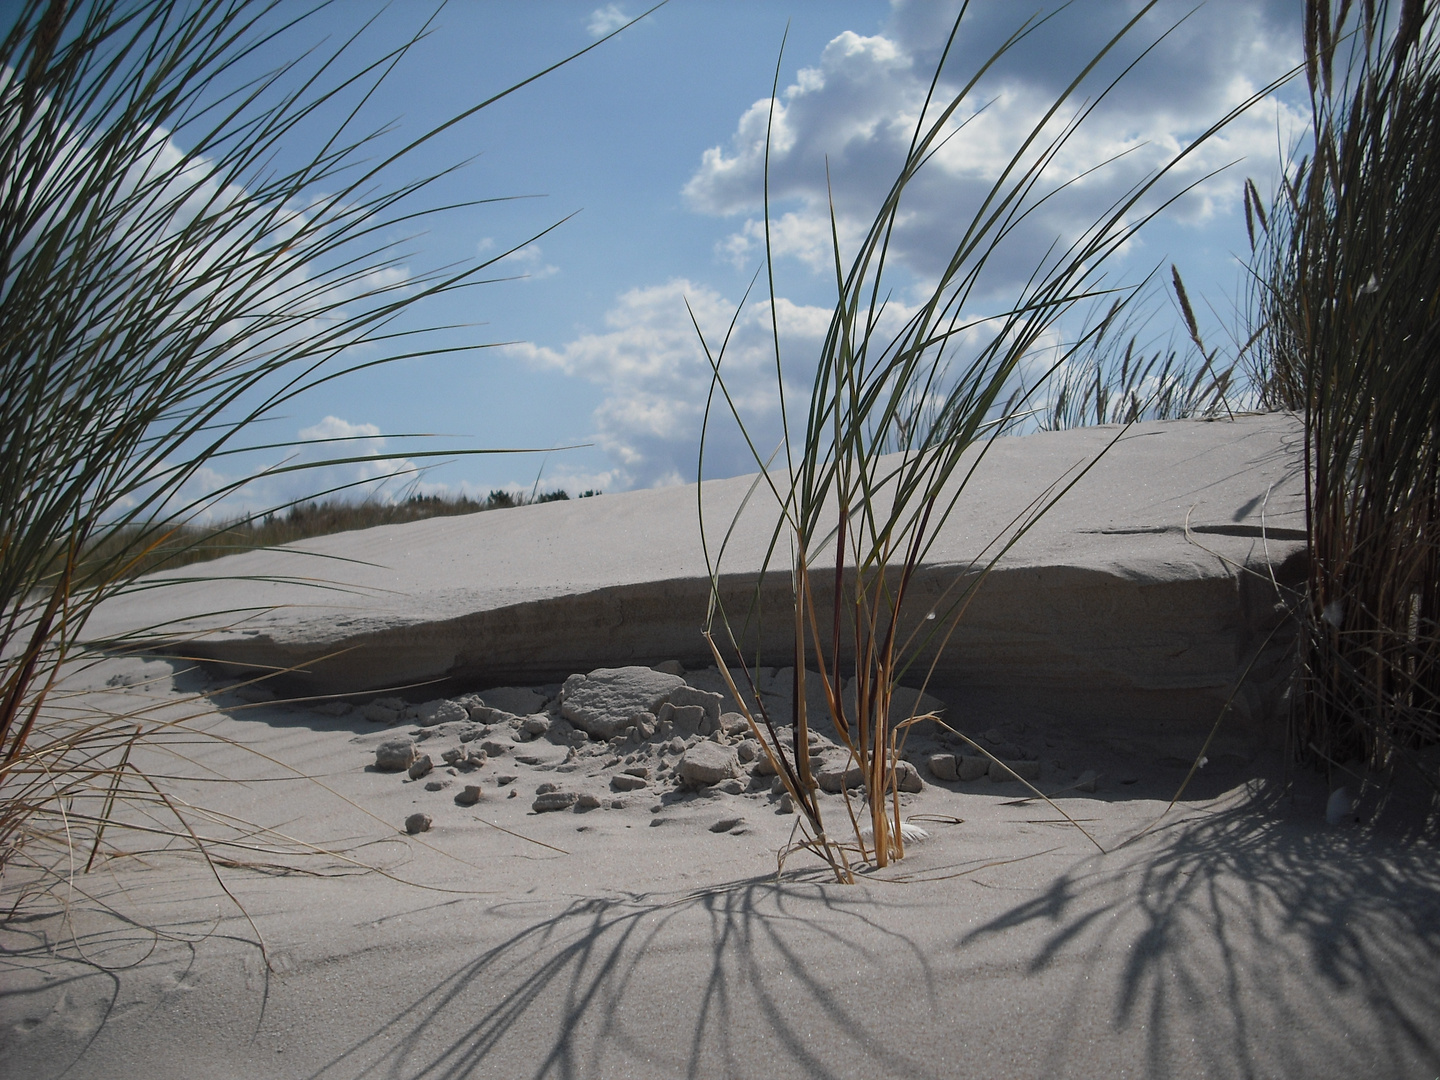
612 735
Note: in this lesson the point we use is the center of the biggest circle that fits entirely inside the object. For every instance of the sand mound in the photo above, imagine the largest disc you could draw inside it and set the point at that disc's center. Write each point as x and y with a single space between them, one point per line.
1144 594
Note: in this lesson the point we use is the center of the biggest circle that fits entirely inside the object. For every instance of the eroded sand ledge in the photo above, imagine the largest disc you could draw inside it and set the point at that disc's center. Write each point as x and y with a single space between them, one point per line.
1152 581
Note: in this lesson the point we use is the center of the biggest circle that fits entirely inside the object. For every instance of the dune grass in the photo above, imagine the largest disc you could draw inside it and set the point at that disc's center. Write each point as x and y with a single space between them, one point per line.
170 274
158 300
187 544
1116 379
883 460
1347 291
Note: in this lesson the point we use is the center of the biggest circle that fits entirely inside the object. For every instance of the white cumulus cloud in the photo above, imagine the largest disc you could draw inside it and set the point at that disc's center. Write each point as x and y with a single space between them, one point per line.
340 460
527 262
607 19
840 131
652 378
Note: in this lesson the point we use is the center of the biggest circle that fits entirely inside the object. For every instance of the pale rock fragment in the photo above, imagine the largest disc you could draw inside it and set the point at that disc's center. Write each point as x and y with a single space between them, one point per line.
708 763
684 696
464 757
734 723
972 767
554 800
685 719
386 710
395 755
604 701
943 766
838 774
440 711
907 778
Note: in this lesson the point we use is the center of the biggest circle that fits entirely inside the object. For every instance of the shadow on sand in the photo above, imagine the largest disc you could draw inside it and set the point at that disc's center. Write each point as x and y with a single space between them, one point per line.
1237 944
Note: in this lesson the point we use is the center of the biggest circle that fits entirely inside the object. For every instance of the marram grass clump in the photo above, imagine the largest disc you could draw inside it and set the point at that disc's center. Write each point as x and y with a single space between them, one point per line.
881 463
172 271
1348 314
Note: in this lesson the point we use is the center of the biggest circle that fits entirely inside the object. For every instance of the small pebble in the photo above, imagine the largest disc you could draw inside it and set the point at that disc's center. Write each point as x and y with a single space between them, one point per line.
587 802
420 767
726 824
943 767
470 795
549 801
418 823
434 785
972 767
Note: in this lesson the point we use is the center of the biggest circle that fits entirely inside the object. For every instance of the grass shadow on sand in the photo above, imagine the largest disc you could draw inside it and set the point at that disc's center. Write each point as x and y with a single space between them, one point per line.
1225 910
1240 942
584 974
1244 940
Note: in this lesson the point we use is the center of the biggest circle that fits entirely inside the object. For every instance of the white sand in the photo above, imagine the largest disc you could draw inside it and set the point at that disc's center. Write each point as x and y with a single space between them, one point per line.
1240 937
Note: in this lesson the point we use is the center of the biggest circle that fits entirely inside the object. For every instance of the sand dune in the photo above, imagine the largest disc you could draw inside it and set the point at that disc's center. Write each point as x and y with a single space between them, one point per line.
647 929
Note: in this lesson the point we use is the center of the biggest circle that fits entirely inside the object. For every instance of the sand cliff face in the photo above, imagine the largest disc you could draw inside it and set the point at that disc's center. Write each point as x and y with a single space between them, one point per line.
1152 586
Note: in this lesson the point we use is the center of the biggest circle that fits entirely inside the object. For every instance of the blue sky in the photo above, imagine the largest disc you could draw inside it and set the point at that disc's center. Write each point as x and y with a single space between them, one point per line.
652 142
